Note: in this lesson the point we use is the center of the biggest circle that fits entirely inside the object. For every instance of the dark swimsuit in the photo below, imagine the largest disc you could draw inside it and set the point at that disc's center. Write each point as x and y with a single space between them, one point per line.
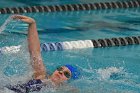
32 85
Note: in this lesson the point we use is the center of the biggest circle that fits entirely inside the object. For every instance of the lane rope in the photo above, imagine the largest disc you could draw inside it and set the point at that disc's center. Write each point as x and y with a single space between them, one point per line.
72 7
107 42
79 44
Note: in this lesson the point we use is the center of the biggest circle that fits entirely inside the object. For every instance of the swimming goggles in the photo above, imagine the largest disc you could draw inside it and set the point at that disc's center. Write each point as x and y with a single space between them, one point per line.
66 73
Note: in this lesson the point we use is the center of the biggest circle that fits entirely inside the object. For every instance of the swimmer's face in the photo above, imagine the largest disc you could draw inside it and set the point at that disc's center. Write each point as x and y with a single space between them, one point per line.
61 74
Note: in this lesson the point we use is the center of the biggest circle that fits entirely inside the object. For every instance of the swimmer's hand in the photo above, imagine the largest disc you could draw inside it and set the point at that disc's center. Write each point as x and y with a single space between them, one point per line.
25 19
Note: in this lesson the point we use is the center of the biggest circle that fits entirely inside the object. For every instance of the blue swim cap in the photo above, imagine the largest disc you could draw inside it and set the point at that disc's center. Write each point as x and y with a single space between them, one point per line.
75 72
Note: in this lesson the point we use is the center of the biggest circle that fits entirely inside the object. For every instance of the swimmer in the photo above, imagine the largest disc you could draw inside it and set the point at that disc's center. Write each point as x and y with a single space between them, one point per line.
40 76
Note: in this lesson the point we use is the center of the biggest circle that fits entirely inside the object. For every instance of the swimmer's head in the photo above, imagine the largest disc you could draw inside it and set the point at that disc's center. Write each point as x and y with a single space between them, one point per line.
75 72
66 72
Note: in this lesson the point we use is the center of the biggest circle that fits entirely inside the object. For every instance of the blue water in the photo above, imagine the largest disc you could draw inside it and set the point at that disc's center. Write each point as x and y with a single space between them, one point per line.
104 70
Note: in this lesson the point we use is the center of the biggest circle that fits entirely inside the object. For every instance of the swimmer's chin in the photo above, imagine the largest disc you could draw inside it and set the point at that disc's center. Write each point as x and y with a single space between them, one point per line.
55 78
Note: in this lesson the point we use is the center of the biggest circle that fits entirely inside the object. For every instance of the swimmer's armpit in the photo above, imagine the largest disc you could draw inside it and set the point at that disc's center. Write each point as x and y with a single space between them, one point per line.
39 68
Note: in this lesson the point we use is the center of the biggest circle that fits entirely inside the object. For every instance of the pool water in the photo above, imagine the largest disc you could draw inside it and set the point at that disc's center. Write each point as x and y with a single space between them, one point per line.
103 70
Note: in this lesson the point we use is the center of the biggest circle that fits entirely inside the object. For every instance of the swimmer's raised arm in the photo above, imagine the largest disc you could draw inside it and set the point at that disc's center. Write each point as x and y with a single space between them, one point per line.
34 47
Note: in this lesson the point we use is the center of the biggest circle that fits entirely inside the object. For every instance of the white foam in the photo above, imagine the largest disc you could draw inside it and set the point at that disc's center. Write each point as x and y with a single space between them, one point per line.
107 72
10 49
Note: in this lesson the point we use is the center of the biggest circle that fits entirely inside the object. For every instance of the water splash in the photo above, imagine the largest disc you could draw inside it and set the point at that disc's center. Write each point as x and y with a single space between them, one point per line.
10 49
8 20
107 80
110 72
15 66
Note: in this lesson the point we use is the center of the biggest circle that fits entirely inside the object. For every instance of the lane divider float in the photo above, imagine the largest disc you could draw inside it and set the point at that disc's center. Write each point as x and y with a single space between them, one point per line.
99 43
72 7
79 44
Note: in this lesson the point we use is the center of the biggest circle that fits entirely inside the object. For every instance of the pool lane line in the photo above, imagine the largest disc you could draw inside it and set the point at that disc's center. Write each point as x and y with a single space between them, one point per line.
79 44
72 7
99 43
